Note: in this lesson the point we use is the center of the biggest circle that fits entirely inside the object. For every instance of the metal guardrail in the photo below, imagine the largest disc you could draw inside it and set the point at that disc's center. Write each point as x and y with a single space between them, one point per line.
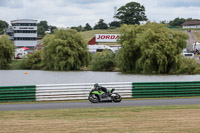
54 92
78 91
165 89
17 93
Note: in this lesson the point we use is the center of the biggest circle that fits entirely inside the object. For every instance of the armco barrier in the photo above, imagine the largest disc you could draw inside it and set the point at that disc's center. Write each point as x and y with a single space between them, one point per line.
17 93
78 91
54 92
165 89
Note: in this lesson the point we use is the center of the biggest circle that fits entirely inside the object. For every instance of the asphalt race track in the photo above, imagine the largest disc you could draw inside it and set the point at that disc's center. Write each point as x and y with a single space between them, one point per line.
125 103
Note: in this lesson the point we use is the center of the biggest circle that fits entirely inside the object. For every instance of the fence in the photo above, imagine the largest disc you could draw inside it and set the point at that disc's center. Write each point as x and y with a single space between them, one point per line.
17 93
78 91
54 92
165 89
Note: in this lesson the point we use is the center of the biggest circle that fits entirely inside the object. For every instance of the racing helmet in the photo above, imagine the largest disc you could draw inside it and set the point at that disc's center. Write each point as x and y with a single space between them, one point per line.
96 85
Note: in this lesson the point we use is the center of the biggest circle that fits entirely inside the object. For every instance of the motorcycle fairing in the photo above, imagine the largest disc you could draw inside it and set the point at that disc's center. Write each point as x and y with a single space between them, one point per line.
98 93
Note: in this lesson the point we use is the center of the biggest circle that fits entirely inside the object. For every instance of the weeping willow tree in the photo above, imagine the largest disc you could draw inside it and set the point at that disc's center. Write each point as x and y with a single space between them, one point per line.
150 48
65 50
7 49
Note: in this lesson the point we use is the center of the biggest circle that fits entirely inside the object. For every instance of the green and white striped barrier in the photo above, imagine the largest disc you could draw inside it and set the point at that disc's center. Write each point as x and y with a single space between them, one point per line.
54 92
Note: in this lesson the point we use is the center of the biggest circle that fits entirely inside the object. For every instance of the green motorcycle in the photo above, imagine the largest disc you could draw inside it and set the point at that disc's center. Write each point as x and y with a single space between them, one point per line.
96 96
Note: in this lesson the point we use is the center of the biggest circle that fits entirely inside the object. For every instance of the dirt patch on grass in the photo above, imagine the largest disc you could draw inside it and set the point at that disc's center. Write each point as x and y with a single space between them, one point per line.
121 120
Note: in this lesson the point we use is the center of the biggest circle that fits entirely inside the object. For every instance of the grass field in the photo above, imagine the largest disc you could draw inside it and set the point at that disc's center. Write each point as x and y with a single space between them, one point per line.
197 36
151 119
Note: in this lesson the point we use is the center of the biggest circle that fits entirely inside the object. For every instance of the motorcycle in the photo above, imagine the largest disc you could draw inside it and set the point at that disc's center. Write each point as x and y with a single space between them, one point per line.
96 96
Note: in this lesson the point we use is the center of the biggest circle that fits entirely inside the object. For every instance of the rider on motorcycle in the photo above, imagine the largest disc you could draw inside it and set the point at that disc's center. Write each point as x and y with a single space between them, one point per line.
101 88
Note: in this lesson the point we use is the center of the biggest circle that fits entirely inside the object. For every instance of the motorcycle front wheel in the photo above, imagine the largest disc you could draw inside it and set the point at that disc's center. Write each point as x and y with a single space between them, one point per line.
93 98
117 97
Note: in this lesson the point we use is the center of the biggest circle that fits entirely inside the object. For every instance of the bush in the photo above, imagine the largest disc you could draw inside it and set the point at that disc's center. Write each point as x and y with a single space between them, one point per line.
188 66
16 65
103 61
33 61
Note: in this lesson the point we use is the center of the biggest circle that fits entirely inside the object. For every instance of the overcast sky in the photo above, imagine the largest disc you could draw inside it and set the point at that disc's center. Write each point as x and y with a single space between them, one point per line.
67 13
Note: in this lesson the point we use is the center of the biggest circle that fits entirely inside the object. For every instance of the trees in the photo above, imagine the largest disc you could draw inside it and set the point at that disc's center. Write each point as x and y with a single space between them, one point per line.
115 24
52 28
41 31
103 61
33 61
65 50
188 66
177 22
42 27
3 26
7 49
79 28
150 48
101 25
87 27
131 13
43 24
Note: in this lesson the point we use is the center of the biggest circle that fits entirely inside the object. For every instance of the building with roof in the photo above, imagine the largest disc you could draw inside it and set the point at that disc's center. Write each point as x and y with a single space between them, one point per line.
191 24
23 32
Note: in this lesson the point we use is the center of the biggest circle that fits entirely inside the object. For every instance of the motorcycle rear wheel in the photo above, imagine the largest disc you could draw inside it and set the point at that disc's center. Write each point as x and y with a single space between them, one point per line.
93 98
117 98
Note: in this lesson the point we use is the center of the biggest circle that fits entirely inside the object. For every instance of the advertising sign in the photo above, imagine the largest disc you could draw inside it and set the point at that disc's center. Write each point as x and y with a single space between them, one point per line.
107 37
